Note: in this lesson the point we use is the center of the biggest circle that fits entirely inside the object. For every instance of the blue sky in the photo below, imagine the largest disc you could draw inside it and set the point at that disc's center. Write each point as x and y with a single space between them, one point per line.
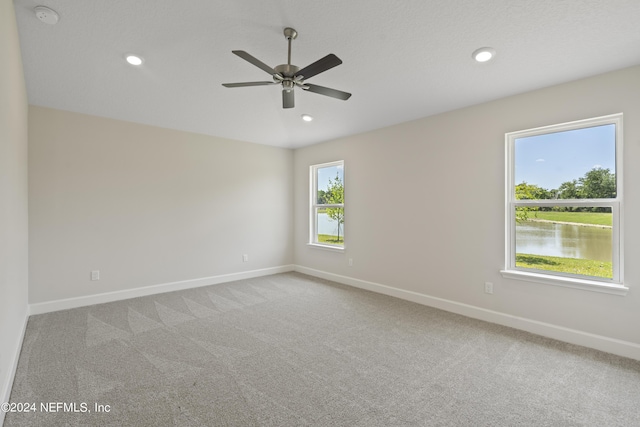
324 174
551 159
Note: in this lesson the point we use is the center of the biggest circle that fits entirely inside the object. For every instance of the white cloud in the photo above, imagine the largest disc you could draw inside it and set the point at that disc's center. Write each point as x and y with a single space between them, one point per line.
540 160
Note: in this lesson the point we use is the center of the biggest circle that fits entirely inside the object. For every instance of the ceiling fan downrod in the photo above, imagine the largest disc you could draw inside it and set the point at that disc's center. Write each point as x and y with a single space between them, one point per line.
290 34
287 70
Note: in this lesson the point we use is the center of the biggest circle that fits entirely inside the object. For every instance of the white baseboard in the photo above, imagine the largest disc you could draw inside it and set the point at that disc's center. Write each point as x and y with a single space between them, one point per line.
6 388
598 342
64 304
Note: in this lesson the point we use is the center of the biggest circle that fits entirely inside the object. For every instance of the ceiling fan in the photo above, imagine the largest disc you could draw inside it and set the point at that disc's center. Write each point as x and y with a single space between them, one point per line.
290 76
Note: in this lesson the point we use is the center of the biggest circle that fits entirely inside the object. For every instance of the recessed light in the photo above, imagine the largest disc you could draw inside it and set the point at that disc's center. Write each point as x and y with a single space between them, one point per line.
483 54
134 59
307 118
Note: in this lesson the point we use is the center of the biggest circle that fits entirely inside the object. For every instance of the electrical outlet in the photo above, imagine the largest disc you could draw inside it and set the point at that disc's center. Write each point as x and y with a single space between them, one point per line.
488 288
350 262
245 258
95 275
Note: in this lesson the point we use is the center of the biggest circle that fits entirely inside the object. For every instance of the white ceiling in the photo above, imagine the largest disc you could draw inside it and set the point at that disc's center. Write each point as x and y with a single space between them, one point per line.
402 60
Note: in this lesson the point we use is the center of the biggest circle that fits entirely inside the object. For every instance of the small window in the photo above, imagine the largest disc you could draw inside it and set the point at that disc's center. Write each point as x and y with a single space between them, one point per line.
564 203
327 205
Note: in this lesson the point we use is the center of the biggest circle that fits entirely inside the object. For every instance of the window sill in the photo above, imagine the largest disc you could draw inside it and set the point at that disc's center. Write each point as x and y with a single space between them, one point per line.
326 247
567 282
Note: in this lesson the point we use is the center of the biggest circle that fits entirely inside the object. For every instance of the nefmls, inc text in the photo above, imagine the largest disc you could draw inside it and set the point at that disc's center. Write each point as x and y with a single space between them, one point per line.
73 407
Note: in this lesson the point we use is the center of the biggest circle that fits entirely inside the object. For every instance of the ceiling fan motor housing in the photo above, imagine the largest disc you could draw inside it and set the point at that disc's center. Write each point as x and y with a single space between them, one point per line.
287 70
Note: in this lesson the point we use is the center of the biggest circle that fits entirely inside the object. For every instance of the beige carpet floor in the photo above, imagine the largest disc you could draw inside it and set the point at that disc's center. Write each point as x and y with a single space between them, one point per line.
292 350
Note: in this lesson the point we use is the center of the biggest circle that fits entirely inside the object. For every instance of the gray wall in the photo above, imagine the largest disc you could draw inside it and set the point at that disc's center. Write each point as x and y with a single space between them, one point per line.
424 206
148 206
13 198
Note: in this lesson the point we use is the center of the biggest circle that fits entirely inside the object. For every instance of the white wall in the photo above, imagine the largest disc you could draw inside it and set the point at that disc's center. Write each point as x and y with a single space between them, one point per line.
148 206
13 198
424 206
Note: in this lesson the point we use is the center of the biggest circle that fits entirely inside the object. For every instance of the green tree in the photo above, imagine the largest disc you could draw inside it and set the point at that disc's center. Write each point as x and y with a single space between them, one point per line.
570 190
322 197
335 195
526 191
598 183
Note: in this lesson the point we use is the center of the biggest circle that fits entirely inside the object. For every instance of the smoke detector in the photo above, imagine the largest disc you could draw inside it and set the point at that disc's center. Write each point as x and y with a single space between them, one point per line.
46 15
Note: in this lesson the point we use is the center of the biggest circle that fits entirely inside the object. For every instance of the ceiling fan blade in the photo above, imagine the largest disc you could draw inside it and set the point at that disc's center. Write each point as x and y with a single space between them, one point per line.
249 84
287 99
327 91
319 66
255 61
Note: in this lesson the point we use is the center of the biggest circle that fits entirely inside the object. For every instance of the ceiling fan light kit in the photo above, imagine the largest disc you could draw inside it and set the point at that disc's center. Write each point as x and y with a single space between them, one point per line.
289 76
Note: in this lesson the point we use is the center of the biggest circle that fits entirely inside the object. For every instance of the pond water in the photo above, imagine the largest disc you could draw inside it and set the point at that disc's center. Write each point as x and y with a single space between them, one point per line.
328 226
563 240
538 238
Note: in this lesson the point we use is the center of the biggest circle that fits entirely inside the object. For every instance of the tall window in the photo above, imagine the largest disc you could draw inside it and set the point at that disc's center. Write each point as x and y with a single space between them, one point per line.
327 205
564 200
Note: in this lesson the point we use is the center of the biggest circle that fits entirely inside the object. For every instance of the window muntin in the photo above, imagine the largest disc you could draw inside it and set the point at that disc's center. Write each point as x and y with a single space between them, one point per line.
327 205
564 200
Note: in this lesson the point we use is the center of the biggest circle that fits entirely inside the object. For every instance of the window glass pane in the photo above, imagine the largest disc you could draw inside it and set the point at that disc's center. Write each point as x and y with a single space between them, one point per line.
330 185
574 164
330 226
571 240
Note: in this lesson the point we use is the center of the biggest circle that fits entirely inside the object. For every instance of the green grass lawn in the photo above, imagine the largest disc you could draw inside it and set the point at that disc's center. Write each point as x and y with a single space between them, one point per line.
330 239
597 218
584 267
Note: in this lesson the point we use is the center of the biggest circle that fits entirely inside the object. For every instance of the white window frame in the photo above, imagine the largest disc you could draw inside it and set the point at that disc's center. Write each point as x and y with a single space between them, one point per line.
314 206
612 286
